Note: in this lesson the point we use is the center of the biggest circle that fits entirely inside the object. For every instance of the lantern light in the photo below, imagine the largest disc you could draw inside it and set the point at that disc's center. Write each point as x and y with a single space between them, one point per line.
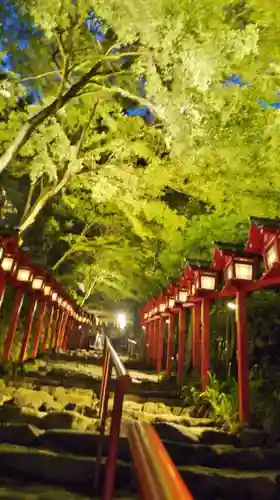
183 296
240 270
162 307
24 274
7 263
272 255
171 302
244 271
38 283
47 290
208 282
54 296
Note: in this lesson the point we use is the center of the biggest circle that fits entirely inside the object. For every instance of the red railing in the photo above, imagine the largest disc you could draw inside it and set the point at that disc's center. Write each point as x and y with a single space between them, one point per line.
123 383
158 477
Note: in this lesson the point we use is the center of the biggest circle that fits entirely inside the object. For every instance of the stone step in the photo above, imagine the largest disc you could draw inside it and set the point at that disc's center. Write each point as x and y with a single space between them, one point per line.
75 473
215 484
187 452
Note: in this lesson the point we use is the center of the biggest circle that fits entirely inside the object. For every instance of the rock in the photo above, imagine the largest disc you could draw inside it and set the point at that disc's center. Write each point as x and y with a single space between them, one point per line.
51 406
130 406
252 437
90 411
32 417
162 408
32 399
18 433
79 396
150 408
66 420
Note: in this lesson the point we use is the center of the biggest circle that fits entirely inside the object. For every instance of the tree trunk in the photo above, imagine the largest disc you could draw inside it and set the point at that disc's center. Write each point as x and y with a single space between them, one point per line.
42 201
34 121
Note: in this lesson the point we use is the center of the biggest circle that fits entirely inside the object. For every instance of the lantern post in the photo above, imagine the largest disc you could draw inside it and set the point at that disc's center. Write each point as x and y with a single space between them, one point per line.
181 298
48 326
171 328
203 281
240 269
161 328
8 260
21 277
196 315
38 285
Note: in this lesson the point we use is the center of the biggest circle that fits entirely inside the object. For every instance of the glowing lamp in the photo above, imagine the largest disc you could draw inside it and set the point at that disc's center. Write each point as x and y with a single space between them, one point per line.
7 263
205 279
59 300
272 254
38 283
24 274
240 269
146 315
54 296
162 306
47 290
171 302
183 296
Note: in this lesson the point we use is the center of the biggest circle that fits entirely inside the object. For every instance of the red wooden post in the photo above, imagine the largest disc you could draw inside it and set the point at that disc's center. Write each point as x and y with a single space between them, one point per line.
63 331
181 342
149 338
47 328
27 331
2 288
170 343
242 358
196 312
58 329
205 342
54 327
68 336
109 480
18 301
160 343
155 339
42 310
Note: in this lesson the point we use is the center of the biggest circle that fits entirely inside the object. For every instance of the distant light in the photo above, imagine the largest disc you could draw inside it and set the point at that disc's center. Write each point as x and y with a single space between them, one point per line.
231 305
121 321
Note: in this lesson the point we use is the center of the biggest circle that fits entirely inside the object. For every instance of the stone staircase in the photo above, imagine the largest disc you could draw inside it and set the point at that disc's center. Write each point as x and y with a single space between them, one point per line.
48 440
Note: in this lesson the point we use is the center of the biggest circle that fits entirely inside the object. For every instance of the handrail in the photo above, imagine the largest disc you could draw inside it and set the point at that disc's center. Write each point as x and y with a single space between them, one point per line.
158 477
123 383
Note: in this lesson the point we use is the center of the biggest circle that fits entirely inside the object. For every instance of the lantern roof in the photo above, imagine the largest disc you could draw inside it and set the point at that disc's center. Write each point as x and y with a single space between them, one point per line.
265 222
224 252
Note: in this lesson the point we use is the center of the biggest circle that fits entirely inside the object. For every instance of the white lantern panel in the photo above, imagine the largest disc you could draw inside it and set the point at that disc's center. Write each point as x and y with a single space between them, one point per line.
24 275
162 307
54 296
243 271
37 283
47 290
7 263
271 256
229 272
208 282
183 296
171 303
